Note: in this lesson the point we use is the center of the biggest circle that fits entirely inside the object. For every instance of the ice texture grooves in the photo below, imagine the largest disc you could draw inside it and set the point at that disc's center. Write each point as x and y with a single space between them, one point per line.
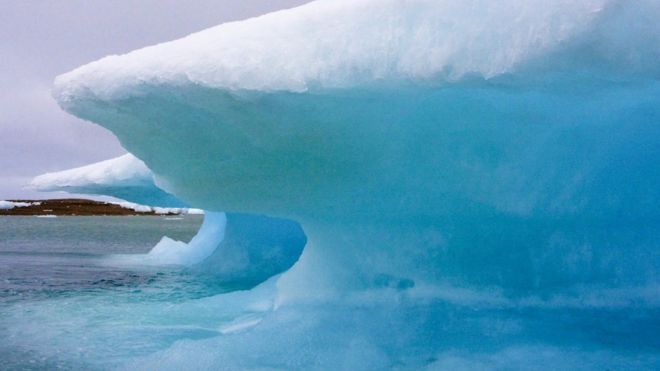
439 155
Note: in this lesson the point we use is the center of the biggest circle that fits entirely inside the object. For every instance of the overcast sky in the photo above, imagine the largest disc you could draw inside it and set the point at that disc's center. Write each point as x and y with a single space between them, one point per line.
42 39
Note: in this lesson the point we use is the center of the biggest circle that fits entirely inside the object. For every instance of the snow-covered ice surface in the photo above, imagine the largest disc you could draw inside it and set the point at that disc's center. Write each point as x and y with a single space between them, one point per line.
477 181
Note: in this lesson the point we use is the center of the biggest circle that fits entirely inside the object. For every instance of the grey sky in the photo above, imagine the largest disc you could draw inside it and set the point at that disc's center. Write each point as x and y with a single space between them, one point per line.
42 39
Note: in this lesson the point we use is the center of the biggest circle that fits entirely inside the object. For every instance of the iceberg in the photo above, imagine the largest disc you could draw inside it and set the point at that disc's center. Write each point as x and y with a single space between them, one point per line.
444 159
417 126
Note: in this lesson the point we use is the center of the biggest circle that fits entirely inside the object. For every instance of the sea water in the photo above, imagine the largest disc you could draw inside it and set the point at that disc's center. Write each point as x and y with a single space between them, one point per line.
66 303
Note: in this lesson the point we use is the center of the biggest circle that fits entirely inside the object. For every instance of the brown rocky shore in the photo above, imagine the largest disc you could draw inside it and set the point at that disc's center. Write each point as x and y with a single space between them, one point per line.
72 207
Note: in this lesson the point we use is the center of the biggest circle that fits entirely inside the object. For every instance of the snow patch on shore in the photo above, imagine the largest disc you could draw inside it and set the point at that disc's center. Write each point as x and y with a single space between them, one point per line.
158 210
8 205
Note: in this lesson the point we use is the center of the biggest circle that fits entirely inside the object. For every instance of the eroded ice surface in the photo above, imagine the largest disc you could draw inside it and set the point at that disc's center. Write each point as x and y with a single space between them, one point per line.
478 181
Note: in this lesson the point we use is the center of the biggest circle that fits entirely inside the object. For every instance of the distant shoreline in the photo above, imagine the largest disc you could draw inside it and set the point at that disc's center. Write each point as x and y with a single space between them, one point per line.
73 207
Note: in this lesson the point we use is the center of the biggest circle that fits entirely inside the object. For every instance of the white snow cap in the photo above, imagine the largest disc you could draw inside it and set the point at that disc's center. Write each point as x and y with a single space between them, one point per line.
125 170
344 43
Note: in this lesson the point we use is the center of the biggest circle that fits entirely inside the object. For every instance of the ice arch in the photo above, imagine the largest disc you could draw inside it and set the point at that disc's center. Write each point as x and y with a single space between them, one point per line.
240 249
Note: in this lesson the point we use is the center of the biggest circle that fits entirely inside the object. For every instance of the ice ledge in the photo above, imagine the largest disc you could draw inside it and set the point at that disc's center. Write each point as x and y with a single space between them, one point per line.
342 43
